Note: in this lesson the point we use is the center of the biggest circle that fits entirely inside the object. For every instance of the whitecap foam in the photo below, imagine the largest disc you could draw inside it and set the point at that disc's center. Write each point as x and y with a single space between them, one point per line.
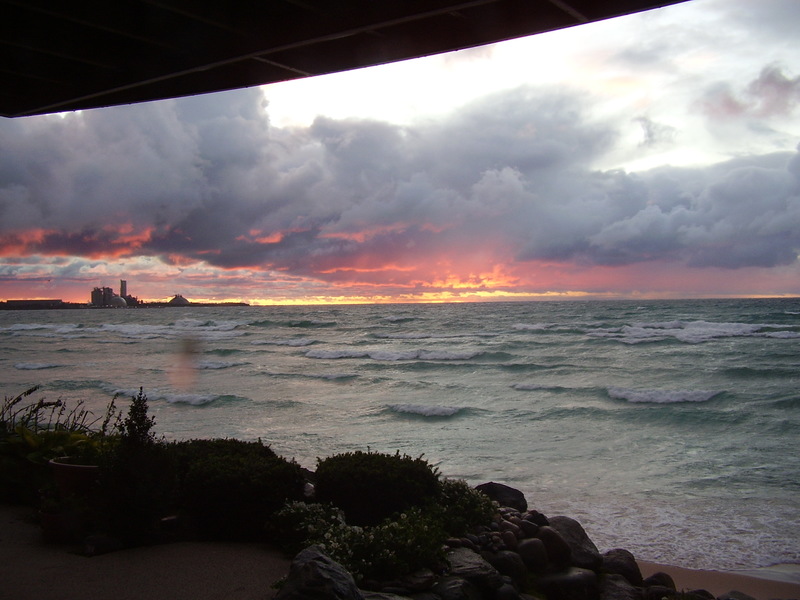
392 355
294 342
661 396
444 355
335 354
424 410
36 366
217 364
690 332
193 399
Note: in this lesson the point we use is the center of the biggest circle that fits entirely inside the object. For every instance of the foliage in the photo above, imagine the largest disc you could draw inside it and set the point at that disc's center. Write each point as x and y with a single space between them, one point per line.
460 508
230 488
397 545
384 551
136 429
370 487
32 434
137 477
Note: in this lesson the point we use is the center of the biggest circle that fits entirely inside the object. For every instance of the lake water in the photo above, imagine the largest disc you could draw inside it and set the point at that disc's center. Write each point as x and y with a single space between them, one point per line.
669 428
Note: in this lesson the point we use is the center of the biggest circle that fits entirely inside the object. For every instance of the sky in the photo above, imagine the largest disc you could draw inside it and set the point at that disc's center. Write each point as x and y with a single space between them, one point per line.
655 155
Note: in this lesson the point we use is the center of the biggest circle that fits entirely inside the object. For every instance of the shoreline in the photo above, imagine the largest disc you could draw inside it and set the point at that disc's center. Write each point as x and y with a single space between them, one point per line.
198 570
767 583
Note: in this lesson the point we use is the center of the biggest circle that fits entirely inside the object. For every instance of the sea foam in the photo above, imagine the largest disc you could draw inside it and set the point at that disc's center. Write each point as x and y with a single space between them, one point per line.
661 396
36 366
424 410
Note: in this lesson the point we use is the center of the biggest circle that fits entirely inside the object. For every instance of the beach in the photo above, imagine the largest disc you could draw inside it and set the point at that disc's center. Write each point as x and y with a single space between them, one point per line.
33 570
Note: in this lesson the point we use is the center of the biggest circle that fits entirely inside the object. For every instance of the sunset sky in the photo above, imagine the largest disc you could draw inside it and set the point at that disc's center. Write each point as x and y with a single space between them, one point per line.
651 156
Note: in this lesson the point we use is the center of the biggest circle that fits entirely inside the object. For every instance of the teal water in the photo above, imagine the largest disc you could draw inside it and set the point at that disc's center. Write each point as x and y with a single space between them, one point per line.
667 428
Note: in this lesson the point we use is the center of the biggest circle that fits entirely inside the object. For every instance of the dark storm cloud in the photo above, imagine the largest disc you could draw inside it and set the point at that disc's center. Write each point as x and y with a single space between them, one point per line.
507 178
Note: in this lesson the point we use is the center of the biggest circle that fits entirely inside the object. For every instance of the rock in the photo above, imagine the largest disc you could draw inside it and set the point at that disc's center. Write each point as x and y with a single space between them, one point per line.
658 592
585 554
506 592
504 495
616 587
534 516
558 550
313 575
621 562
533 554
572 584
510 564
660 579
706 595
383 596
455 588
509 539
529 528
468 565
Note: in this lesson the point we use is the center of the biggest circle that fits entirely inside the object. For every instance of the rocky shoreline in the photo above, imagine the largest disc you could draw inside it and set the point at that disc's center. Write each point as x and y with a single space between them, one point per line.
522 555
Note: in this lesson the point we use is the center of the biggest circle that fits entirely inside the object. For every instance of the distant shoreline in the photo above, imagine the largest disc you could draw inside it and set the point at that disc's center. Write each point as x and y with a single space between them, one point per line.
59 305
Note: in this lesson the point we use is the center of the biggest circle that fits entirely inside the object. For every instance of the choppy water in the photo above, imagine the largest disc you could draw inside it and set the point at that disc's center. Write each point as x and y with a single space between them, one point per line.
667 428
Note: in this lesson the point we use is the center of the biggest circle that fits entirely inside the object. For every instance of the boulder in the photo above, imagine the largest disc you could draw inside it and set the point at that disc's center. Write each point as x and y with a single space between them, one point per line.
455 588
509 564
660 579
621 562
585 554
533 554
504 495
313 575
466 564
616 587
572 584
558 550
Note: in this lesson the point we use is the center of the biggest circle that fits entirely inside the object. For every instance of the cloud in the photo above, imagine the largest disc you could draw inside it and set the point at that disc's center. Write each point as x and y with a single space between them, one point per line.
488 196
772 94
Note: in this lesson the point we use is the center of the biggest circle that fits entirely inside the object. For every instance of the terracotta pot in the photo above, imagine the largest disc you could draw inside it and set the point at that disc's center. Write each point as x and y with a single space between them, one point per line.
74 479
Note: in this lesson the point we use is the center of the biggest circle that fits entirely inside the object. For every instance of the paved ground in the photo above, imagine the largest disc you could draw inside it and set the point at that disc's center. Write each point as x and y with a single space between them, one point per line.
33 570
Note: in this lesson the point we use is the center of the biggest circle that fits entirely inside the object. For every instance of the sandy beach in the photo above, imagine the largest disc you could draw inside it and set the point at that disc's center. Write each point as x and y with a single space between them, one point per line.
33 570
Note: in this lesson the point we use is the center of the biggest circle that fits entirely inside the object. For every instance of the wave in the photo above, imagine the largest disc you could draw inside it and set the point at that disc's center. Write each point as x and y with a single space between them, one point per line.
177 397
393 355
661 396
217 364
36 366
691 332
294 342
310 323
535 387
398 318
425 410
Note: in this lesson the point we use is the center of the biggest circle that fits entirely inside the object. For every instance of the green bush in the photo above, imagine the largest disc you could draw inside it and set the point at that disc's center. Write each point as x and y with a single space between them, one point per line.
370 487
385 551
460 508
230 488
32 433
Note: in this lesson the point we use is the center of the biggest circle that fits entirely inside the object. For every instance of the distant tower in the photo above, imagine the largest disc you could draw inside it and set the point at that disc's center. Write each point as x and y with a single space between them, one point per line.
123 288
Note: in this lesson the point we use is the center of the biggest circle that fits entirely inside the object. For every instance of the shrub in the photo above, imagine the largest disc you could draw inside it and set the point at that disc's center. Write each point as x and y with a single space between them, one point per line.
230 488
461 508
385 551
137 478
33 433
370 487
